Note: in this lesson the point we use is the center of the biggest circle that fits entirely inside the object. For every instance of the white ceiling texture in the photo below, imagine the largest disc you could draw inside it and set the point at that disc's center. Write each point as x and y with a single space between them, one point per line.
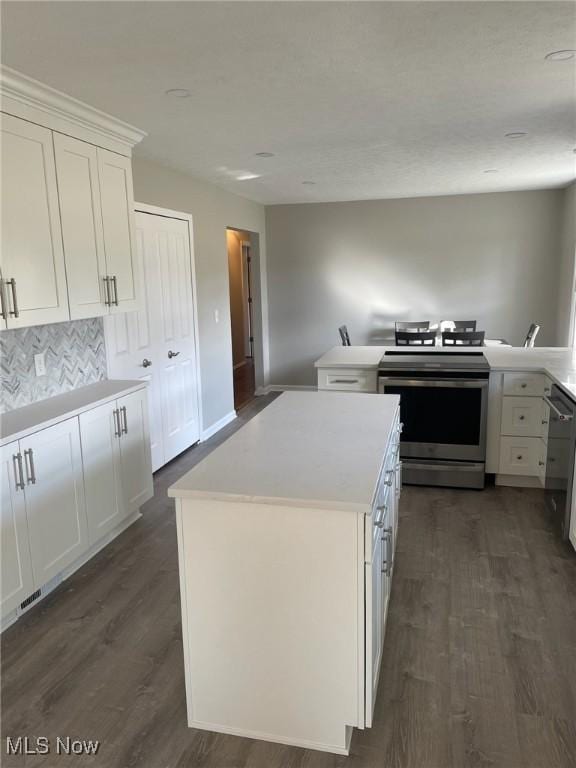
364 99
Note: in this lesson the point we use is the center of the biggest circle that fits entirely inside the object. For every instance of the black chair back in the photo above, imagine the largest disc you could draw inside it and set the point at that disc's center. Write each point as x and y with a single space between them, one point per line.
463 338
344 336
415 338
531 336
464 325
412 325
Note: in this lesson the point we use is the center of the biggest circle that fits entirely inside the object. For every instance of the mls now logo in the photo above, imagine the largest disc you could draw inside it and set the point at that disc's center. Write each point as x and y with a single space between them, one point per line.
41 745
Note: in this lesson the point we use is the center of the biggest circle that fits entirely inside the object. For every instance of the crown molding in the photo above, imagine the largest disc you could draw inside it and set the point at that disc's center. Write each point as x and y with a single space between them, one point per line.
22 96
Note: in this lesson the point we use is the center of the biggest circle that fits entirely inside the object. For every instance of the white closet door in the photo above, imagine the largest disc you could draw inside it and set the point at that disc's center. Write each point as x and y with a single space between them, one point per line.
17 580
117 198
79 195
100 436
177 346
55 500
32 253
165 323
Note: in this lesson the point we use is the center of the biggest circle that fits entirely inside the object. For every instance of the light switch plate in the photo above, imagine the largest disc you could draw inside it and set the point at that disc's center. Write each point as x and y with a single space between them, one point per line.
40 364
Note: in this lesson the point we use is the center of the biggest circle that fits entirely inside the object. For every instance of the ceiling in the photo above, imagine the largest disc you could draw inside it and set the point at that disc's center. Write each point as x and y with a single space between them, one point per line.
366 100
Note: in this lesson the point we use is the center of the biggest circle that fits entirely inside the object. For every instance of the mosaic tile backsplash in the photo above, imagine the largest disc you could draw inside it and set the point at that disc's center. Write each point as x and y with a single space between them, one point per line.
75 355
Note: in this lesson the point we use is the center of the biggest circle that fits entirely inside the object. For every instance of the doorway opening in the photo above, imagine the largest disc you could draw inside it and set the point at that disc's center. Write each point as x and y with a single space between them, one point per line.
241 275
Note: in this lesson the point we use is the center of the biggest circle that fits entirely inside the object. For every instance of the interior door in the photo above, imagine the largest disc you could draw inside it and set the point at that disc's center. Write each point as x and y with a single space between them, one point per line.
177 345
81 216
55 498
100 437
117 200
32 253
17 579
135 461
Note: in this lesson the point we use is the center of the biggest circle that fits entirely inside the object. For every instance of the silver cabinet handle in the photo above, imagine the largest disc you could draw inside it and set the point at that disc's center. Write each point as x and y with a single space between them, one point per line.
146 363
521 418
3 300
124 420
345 381
172 354
387 539
541 463
12 284
18 472
117 428
379 523
115 285
107 299
561 416
390 473
30 471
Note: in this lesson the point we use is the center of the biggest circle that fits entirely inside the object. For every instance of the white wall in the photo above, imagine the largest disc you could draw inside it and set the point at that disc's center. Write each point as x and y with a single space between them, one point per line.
492 257
213 210
567 264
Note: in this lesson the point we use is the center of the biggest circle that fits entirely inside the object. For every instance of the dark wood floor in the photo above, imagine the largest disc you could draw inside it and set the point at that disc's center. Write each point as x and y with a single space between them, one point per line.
244 384
480 659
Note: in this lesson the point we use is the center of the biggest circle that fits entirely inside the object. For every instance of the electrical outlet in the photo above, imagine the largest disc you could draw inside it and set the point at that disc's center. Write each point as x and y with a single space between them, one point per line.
40 364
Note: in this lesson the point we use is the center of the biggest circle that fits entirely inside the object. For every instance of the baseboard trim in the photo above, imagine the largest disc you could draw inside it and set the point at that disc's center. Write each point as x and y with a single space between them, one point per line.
218 425
518 481
285 388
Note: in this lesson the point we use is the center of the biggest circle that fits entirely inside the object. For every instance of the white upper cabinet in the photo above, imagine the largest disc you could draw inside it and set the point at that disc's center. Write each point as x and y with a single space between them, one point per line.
81 216
33 274
67 207
17 580
117 198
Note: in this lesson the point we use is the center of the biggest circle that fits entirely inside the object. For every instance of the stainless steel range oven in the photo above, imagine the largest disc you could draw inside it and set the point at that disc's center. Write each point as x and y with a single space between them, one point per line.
443 406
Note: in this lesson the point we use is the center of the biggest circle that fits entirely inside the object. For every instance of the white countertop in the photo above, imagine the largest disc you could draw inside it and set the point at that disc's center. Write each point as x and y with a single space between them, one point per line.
319 449
21 422
557 362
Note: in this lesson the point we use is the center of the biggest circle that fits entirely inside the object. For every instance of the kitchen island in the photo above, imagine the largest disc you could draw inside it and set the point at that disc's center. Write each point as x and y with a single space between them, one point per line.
286 537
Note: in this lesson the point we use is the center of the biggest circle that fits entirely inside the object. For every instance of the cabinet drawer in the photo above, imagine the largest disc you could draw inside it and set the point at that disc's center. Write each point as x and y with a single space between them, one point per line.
523 416
520 455
348 380
526 384
542 453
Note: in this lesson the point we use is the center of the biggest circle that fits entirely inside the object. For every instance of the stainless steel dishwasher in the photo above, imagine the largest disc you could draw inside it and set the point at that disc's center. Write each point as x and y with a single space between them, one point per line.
560 457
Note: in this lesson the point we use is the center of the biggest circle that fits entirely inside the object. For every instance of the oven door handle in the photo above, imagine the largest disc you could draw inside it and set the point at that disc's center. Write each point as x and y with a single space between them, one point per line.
561 416
460 383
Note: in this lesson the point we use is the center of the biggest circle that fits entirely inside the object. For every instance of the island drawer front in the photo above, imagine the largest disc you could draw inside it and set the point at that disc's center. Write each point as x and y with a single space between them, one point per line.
526 384
347 379
520 455
523 416
542 455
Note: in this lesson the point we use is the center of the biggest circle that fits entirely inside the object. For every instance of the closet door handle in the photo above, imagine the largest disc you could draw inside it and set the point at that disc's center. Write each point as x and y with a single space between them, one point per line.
172 354
30 471
18 472
146 363
115 284
124 420
12 284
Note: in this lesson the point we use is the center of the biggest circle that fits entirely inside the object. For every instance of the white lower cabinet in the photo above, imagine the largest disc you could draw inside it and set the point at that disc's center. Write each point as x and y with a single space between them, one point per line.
54 496
68 486
99 433
17 578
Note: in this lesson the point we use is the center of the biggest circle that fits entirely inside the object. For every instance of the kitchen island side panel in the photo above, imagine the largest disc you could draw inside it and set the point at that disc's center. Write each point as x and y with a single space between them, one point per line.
270 612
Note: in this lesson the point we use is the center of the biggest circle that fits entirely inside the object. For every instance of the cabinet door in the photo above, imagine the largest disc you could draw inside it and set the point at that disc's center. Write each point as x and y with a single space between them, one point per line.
55 498
32 254
135 459
100 437
17 580
79 195
374 621
117 201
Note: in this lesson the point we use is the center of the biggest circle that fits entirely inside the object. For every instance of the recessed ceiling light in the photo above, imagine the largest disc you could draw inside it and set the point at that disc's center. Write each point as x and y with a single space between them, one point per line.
516 135
491 170
309 183
178 93
247 176
264 154
564 55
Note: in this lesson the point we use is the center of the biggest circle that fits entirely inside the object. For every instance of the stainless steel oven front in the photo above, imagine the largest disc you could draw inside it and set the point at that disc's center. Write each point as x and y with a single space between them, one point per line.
444 417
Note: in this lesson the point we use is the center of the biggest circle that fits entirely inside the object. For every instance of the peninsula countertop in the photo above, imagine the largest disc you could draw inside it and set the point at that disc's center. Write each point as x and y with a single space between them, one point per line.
318 449
559 363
